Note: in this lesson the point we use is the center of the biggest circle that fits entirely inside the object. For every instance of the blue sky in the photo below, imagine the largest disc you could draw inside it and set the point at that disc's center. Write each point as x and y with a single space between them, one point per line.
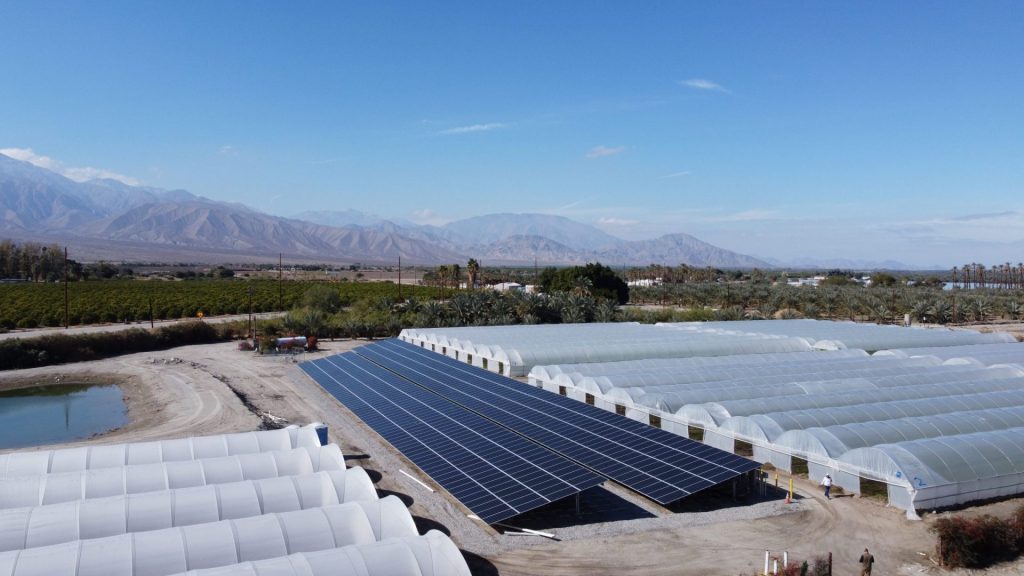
867 130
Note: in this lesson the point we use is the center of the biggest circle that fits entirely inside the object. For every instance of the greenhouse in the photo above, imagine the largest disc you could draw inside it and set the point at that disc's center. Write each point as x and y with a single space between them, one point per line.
235 504
99 517
833 441
178 450
432 554
24 491
831 335
988 354
548 373
213 544
515 350
945 471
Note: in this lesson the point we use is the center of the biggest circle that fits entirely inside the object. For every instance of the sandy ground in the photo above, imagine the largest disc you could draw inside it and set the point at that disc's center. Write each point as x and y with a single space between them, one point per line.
194 390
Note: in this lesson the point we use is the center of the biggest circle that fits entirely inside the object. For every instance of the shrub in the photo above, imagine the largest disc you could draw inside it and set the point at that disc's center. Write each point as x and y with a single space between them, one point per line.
979 542
62 348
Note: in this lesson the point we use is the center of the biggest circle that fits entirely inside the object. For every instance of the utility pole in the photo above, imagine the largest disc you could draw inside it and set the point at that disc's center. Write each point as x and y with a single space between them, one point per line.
280 281
250 330
399 278
151 308
65 287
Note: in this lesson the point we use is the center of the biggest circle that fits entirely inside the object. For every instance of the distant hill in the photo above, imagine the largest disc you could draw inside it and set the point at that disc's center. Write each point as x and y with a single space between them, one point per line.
113 220
491 228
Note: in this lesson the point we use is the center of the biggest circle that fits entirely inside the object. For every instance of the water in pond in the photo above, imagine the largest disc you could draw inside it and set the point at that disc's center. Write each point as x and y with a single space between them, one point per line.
61 413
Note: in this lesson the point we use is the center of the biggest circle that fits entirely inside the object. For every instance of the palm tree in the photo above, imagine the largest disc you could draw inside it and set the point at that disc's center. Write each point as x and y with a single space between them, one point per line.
473 269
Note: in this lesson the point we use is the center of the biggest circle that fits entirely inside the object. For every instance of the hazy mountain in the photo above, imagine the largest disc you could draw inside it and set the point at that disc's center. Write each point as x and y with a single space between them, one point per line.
345 218
491 228
807 263
524 249
115 219
678 249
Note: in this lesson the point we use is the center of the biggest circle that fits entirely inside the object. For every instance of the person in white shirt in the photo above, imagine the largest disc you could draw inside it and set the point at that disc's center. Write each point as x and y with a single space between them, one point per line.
827 483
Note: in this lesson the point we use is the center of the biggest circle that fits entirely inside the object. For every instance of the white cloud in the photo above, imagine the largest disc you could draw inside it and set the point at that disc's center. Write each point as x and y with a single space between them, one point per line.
474 128
428 216
602 151
78 174
676 174
702 84
617 222
227 150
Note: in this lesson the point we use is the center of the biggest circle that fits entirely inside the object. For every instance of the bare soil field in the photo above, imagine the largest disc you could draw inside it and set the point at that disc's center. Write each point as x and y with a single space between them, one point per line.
199 390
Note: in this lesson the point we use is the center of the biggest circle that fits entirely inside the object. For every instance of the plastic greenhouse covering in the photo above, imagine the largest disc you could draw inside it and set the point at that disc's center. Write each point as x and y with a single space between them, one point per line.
988 354
549 372
21 491
771 425
100 517
830 335
711 414
657 382
184 449
833 441
949 470
519 348
173 550
673 398
432 554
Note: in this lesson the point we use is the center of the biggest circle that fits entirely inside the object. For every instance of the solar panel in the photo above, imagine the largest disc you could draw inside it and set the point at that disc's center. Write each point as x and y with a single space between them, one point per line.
495 473
658 464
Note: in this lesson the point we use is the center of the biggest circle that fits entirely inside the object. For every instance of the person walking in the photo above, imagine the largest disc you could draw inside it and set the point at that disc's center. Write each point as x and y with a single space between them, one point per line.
866 560
827 483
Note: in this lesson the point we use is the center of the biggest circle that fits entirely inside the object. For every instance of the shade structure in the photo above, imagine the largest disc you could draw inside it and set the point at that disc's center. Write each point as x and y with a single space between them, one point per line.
100 456
101 517
174 550
830 335
432 554
22 491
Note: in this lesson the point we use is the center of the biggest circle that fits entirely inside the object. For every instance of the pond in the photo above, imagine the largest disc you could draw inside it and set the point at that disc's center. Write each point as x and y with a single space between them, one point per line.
59 413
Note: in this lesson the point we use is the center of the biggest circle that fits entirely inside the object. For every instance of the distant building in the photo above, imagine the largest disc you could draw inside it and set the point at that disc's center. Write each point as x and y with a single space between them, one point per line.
508 287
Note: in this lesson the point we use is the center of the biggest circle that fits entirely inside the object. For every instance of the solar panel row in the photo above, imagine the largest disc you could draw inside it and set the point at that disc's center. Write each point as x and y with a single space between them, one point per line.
494 472
660 465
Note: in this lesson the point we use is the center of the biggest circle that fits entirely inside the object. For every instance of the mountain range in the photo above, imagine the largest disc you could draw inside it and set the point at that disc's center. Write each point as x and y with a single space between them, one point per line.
107 219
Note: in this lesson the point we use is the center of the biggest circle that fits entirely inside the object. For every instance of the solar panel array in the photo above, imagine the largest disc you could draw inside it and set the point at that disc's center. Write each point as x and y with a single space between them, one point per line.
660 465
494 472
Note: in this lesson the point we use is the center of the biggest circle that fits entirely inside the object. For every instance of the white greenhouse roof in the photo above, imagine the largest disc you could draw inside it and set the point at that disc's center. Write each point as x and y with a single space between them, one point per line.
213 544
32 527
432 554
988 354
833 441
523 347
178 450
830 335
